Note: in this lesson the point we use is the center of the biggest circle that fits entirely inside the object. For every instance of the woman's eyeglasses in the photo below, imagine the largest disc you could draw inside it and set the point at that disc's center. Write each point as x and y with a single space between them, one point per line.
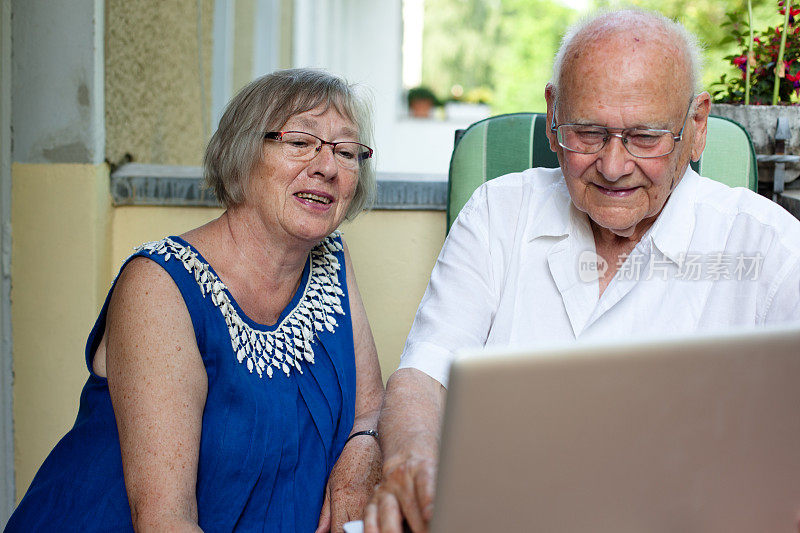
303 146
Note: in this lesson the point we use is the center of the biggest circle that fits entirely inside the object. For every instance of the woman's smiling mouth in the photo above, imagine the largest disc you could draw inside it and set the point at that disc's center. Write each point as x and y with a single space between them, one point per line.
307 196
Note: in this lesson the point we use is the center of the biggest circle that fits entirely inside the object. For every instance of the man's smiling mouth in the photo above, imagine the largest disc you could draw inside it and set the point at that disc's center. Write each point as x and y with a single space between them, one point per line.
617 191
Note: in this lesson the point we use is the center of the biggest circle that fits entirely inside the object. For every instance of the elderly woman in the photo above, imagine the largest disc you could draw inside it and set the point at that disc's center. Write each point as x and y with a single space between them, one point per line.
234 381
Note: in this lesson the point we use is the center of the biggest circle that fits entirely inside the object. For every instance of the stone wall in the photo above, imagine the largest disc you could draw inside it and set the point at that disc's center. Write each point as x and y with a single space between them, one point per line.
761 122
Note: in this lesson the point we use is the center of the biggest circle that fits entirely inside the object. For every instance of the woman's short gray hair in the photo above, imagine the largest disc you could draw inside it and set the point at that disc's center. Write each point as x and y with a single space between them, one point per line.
603 22
265 105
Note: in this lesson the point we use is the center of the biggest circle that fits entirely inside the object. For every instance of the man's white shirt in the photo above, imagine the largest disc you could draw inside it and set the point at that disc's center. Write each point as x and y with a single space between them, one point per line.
519 269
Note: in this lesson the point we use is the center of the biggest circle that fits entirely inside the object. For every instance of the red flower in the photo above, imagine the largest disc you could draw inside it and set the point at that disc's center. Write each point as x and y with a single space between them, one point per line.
792 14
794 78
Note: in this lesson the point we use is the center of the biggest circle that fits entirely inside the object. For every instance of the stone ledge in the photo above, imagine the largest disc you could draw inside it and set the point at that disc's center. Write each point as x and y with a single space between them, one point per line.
141 184
164 185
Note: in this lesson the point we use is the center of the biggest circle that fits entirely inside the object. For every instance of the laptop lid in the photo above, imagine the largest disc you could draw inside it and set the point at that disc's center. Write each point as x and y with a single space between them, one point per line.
680 435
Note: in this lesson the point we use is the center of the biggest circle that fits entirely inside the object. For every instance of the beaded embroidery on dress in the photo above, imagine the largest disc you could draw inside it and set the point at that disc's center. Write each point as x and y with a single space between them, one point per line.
290 342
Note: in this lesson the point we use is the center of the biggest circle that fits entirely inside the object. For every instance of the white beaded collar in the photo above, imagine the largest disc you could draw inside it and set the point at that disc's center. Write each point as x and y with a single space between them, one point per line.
285 345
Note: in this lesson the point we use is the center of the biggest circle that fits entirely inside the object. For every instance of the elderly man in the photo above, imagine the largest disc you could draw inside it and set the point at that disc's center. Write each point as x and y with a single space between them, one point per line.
672 251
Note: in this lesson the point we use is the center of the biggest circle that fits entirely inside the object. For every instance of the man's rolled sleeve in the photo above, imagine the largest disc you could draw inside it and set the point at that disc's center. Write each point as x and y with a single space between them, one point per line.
429 358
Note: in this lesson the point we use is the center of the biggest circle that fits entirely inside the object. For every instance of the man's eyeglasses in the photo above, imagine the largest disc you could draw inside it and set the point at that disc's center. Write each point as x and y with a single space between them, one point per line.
303 146
639 142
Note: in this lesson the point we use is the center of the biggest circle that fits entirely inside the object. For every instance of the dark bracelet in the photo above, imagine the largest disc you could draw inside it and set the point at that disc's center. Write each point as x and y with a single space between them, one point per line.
370 432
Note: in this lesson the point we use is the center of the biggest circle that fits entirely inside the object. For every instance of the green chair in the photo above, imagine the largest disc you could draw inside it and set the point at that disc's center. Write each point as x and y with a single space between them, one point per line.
517 141
729 156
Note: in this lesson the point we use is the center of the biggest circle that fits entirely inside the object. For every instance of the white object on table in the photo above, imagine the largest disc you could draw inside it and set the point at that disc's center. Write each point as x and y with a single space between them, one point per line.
356 526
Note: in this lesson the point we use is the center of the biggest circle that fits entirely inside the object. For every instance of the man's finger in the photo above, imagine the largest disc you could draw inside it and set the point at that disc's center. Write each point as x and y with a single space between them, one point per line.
410 506
424 489
389 518
371 516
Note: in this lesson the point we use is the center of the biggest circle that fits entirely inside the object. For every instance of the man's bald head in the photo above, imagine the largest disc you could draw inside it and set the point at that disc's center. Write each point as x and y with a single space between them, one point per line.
630 29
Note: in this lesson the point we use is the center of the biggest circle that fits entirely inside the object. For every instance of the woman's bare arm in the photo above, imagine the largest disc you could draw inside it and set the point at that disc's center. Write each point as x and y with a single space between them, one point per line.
369 385
358 468
158 388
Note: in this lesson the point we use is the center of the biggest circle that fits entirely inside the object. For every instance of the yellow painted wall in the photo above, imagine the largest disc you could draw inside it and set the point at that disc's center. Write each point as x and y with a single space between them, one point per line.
393 253
133 225
60 265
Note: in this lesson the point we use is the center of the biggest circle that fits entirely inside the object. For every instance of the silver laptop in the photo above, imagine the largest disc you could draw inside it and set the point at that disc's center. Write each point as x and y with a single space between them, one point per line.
684 435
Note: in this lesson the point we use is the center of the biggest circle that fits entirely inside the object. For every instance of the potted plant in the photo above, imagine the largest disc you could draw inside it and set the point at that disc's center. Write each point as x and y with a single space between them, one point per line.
421 101
767 81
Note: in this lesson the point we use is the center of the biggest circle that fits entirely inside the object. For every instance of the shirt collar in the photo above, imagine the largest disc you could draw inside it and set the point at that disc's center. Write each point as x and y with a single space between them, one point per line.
672 231
555 213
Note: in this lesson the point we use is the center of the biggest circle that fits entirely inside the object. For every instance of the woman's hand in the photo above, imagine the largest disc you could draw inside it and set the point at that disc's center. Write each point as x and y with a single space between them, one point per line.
350 484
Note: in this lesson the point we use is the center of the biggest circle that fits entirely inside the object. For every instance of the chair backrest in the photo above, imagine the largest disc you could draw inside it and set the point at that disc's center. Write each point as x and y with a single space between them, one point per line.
729 157
511 143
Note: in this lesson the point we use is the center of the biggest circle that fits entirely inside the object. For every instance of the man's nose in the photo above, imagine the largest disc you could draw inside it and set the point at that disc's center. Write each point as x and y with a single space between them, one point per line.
614 161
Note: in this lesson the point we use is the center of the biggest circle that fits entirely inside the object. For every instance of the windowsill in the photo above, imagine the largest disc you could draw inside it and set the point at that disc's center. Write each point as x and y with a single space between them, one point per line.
165 185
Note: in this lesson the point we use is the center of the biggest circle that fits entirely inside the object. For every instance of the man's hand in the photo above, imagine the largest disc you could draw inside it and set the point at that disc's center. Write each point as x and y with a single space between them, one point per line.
409 430
350 484
406 491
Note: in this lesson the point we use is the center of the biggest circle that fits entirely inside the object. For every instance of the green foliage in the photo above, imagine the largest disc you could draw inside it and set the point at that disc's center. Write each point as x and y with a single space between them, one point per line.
731 87
500 52
457 44
507 46
704 18
524 65
478 95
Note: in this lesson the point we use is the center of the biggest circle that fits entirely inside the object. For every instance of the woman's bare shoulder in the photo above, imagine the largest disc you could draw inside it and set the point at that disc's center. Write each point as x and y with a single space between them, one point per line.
144 279
146 307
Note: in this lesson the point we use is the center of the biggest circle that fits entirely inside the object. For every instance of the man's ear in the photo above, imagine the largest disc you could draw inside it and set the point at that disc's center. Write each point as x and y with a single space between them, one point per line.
699 122
550 97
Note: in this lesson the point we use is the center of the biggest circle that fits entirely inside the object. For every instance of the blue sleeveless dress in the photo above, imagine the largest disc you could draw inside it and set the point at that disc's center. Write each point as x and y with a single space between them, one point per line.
281 403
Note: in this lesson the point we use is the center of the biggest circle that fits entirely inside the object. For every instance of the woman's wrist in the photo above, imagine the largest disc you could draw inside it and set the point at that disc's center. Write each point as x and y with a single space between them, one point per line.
366 432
